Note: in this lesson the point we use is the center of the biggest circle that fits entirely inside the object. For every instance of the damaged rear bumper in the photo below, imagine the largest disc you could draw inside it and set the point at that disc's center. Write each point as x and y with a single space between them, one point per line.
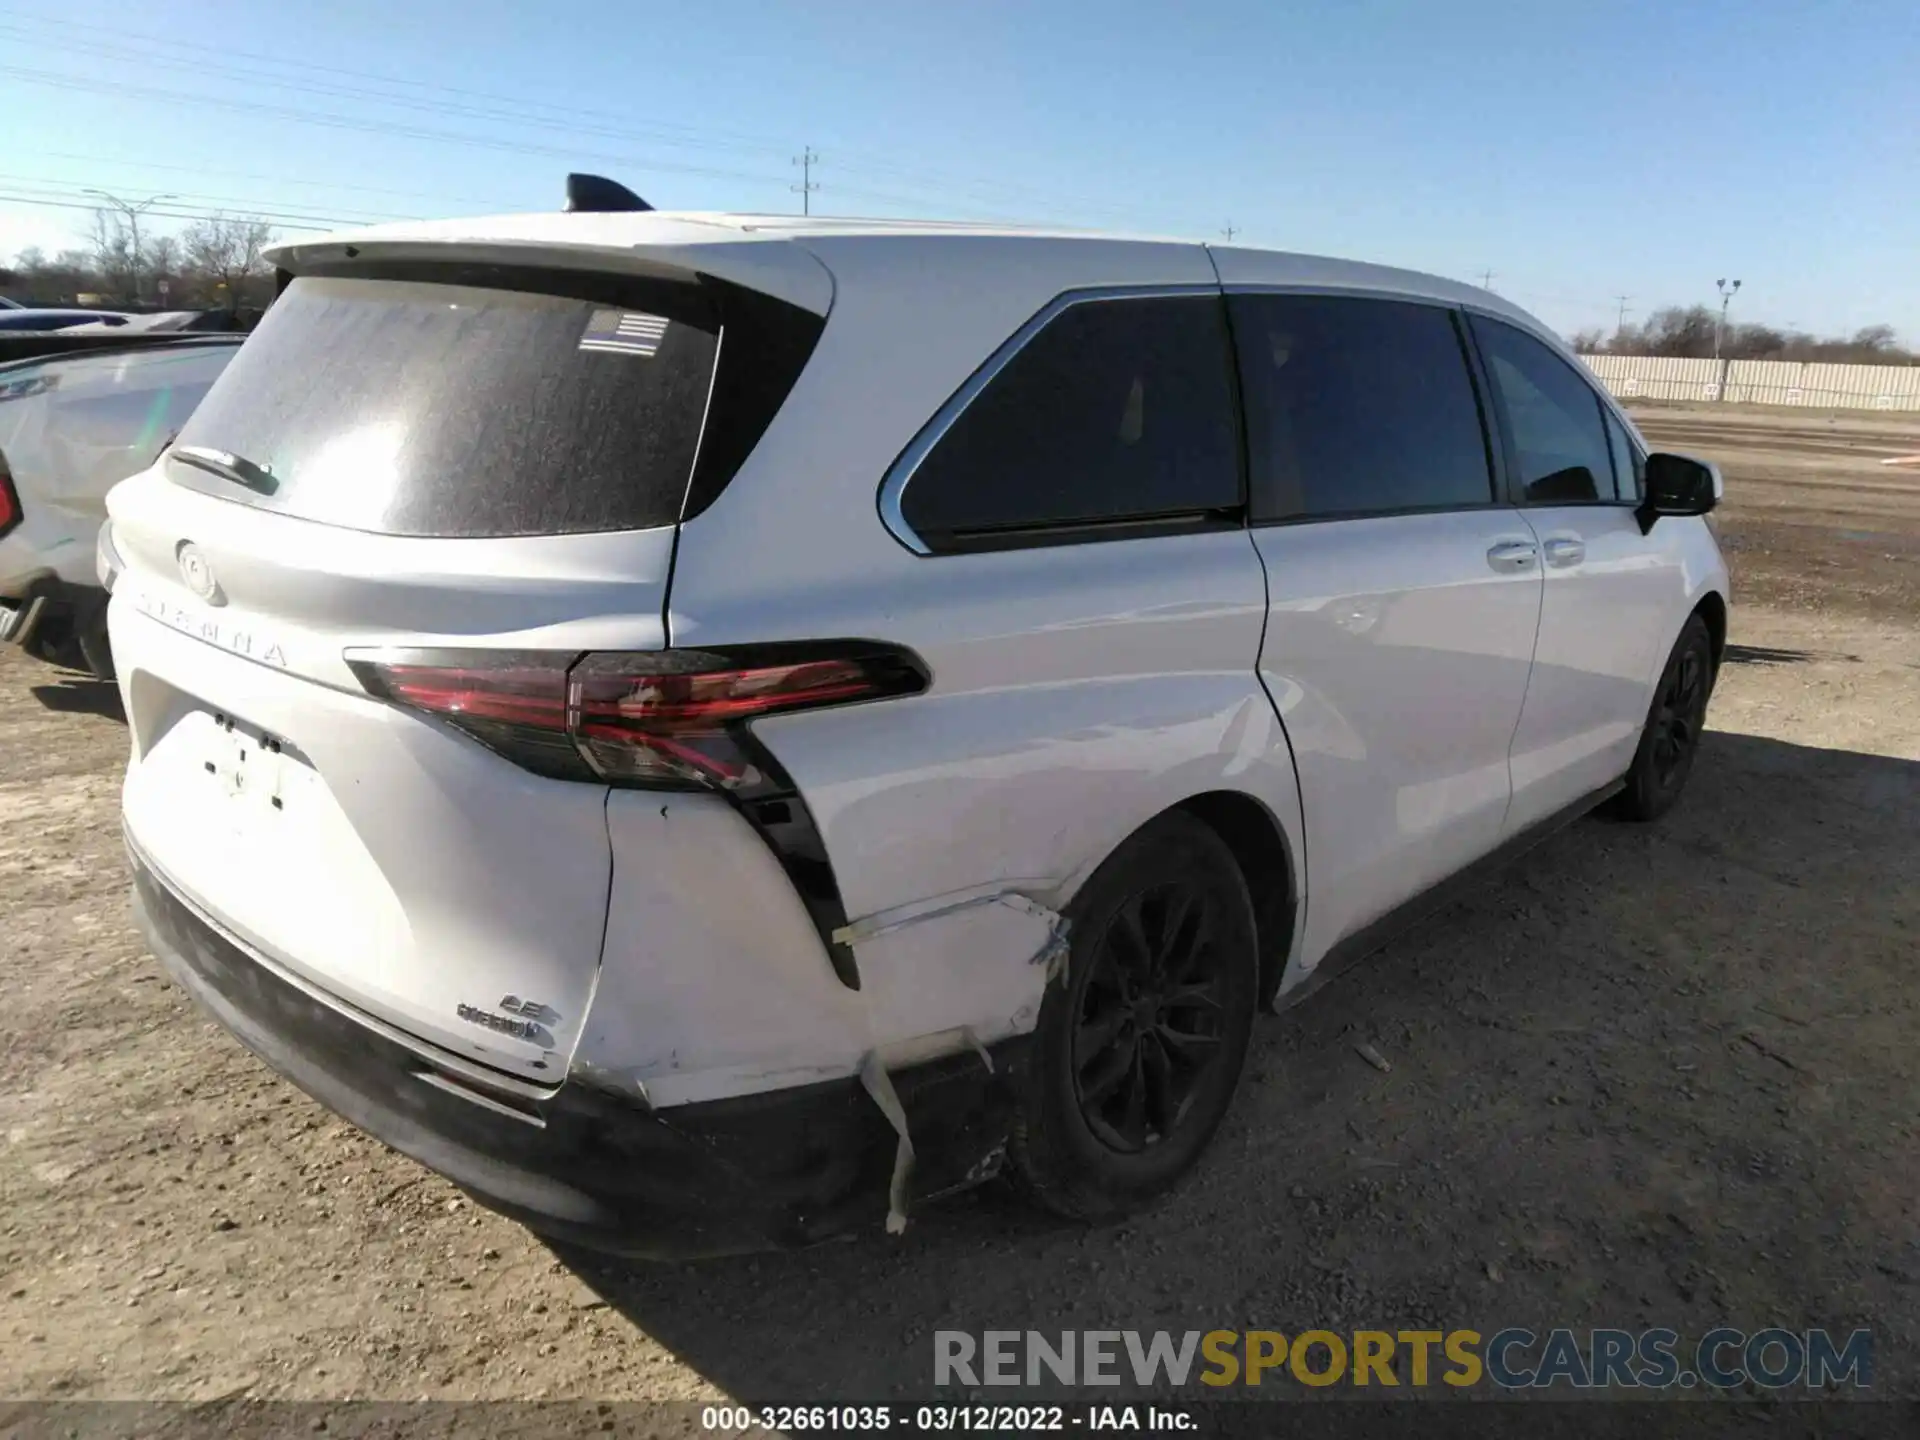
583 1165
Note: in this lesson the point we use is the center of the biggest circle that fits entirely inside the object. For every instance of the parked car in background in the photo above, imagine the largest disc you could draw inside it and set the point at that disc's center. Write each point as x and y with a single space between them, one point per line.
704 793
160 322
70 427
23 318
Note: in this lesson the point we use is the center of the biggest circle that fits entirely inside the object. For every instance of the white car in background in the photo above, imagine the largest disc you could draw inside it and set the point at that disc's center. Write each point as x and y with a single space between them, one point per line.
708 730
71 426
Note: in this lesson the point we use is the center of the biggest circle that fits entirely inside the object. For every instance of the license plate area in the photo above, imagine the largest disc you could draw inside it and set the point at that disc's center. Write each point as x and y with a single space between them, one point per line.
256 773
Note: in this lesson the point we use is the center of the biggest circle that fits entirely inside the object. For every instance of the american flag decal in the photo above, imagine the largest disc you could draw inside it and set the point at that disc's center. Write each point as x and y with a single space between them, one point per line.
624 332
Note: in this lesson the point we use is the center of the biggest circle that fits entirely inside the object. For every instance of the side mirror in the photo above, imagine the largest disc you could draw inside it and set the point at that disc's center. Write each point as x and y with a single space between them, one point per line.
1678 485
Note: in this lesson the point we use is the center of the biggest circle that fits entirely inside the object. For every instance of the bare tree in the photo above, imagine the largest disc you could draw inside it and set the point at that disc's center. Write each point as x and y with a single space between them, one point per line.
161 268
1588 341
1688 331
1876 340
224 252
110 249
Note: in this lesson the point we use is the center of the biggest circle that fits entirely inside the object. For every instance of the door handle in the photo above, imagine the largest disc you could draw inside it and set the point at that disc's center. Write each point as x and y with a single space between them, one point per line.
1511 555
1563 552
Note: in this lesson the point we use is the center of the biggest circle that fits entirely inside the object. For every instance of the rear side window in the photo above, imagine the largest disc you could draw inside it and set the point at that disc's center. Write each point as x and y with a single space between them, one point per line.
1116 411
419 408
1357 406
1553 419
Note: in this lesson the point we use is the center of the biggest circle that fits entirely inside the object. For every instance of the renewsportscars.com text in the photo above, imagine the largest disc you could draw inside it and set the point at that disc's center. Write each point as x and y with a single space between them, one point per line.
1513 1358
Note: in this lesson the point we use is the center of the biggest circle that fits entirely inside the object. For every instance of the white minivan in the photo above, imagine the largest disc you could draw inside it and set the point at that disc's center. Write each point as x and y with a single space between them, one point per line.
711 730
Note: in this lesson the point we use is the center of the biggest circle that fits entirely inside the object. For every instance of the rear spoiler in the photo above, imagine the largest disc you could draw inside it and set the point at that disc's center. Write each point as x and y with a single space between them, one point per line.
641 243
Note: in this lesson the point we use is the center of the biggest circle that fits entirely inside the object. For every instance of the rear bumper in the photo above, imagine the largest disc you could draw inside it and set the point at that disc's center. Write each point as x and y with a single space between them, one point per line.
577 1162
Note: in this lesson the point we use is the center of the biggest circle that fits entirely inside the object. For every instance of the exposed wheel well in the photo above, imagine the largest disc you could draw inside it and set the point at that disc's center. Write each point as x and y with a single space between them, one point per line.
1713 609
1260 848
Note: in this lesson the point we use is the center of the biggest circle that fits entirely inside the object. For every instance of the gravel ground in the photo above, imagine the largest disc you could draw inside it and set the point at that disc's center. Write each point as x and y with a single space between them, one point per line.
1648 1076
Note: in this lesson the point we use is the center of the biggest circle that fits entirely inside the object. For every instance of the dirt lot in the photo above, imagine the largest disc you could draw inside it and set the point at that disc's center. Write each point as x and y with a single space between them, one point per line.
1650 1076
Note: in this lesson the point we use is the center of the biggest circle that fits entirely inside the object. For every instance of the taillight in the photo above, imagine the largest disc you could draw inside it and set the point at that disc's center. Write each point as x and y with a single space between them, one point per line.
673 719
10 512
667 720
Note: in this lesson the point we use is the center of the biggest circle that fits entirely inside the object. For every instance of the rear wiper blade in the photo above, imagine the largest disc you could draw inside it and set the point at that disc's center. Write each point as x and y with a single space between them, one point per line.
227 465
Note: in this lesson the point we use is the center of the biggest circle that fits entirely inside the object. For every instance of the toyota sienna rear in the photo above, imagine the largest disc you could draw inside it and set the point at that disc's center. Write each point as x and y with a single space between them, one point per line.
711 731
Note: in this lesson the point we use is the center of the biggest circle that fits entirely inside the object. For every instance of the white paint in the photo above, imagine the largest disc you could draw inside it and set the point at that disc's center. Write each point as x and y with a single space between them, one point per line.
1077 691
1398 657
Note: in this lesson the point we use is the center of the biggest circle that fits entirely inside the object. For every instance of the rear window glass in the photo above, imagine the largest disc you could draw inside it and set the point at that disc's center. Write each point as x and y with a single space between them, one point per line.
417 408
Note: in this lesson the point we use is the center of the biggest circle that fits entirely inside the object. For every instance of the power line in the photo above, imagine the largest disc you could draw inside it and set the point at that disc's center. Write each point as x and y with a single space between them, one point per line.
567 119
806 160
1620 322
564 117
146 165
1228 231
386 129
168 214
557 117
1486 279
70 188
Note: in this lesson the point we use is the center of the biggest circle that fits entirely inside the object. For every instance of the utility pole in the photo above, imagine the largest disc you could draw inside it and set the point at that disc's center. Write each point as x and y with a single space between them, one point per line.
1727 292
1620 322
1228 231
806 160
133 213
1486 279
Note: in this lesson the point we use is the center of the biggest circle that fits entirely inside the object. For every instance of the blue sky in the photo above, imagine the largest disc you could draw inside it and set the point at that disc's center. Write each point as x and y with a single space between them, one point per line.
1579 151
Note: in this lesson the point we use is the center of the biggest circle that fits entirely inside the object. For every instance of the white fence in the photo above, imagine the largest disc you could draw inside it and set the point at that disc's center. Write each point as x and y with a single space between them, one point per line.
1759 382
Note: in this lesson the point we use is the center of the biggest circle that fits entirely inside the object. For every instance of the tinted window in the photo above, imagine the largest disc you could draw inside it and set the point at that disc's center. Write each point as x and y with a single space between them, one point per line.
1628 465
419 408
1356 406
1117 410
1552 417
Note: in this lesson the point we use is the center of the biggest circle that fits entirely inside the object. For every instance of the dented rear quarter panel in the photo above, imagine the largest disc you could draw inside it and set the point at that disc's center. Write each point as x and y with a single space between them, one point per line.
1076 690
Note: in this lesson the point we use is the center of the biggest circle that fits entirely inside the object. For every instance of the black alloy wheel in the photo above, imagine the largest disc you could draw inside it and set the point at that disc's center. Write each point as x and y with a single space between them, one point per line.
1140 1043
1679 715
1675 723
1151 1023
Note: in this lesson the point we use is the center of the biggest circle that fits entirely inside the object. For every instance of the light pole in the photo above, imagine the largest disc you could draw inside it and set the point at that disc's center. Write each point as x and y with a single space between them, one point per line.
1727 292
133 213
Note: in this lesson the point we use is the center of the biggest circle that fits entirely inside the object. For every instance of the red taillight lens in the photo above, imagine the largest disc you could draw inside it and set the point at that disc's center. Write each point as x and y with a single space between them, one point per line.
676 718
10 512
670 719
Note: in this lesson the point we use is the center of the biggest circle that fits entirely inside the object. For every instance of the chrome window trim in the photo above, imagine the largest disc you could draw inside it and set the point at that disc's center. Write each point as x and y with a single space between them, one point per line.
1341 292
901 472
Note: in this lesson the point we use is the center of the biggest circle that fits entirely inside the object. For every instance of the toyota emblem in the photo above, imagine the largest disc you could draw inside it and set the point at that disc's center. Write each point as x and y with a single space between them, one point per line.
197 571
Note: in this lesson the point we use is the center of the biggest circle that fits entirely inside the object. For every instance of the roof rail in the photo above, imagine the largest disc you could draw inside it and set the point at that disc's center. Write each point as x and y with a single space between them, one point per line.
596 193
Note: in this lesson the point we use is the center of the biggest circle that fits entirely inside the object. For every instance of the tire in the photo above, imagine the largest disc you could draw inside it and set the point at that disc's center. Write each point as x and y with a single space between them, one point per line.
1674 725
1161 985
96 650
